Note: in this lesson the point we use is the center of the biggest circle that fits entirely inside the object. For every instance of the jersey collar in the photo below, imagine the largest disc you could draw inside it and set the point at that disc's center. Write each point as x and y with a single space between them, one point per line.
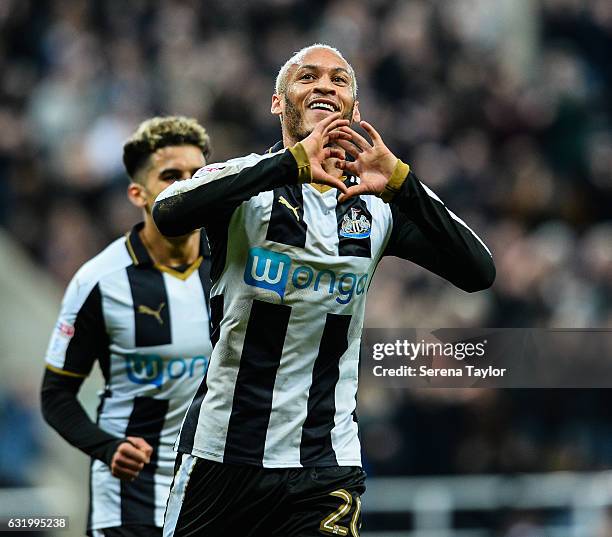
276 147
135 247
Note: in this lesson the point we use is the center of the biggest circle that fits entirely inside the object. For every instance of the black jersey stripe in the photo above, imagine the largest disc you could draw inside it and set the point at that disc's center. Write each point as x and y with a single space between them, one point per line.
216 314
103 397
218 236
349 244
252 403
90 503
204 273
287 224
138 496
90 340
151 307
316 445
190 425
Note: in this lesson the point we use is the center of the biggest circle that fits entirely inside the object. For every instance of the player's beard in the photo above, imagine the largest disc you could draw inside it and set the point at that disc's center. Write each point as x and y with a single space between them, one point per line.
293 121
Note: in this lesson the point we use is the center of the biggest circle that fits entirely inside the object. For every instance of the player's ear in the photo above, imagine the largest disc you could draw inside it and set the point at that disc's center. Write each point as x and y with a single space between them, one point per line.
137 194
356 114
277 105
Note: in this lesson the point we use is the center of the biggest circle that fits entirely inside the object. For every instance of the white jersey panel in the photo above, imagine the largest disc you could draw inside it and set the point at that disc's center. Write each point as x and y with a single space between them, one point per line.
344 434
105 496
290 398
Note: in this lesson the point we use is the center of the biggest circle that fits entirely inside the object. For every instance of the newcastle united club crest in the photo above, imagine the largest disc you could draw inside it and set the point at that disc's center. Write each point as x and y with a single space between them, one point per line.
357 226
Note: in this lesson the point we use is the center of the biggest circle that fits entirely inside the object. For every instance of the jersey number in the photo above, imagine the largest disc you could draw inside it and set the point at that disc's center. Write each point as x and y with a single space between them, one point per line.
329 523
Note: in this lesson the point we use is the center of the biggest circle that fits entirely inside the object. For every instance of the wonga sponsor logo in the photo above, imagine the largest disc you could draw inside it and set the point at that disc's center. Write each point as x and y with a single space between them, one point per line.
151 369
268 270
271 270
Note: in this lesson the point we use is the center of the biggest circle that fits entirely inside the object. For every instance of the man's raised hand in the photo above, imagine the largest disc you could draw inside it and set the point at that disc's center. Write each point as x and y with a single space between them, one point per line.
374 163
328 130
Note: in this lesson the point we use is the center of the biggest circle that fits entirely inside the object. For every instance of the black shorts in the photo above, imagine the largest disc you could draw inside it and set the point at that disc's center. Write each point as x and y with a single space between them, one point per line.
133 530
210 499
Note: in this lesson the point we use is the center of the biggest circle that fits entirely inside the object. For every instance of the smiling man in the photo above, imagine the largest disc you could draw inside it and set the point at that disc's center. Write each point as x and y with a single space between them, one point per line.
140 308
270 443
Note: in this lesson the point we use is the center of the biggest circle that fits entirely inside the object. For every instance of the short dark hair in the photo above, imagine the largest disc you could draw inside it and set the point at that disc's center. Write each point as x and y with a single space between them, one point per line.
158 132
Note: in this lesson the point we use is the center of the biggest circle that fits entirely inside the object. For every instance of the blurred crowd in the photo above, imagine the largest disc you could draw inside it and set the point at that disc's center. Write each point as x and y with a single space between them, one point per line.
503 107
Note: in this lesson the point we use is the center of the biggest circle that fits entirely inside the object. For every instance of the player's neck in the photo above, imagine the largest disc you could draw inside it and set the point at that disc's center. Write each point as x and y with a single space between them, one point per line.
169 251
288 140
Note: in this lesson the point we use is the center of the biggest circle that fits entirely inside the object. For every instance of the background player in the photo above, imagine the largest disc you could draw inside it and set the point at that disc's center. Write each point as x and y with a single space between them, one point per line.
270 444
140 308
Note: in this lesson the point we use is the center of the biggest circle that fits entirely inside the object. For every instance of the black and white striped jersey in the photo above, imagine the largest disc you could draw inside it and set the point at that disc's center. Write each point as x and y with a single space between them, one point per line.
148 327
290 271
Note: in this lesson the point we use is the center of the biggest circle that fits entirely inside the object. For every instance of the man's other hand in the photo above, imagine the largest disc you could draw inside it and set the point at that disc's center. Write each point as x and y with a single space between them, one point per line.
316 146
130 457
374 162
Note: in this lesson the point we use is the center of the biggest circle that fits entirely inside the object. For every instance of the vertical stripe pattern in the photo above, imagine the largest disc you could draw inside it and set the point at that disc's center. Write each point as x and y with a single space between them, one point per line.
190 423
151 308
177 493
149 330
216 314
252 402
316 444
90 338
138 496
204 273
287 224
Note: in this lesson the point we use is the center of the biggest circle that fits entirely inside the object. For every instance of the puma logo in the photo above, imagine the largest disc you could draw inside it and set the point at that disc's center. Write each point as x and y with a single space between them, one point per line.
284 202
154 313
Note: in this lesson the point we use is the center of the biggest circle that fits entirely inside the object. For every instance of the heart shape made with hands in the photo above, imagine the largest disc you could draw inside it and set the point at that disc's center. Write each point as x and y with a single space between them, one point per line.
333 138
